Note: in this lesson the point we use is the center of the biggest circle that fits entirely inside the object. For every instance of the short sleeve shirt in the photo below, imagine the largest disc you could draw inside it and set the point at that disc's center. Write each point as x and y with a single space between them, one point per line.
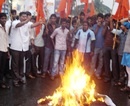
85 39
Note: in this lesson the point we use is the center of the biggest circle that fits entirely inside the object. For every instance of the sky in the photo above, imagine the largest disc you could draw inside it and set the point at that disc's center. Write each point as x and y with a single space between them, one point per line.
108 3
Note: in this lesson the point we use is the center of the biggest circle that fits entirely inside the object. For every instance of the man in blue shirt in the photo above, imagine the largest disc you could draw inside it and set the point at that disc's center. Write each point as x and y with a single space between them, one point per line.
98 51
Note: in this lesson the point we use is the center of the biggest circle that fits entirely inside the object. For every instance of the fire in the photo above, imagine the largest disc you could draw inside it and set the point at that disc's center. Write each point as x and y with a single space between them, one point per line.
77 88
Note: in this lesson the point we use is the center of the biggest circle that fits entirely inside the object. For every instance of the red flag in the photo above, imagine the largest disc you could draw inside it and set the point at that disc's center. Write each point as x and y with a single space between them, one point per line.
40 14
64 8
123 9
92 9
1 3
86 5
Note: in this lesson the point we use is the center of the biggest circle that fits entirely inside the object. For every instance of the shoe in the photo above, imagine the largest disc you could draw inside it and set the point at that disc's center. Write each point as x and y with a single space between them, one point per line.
30 76
43 75
98 77
125 89
16 84
52 77
22 82
107 80
4 86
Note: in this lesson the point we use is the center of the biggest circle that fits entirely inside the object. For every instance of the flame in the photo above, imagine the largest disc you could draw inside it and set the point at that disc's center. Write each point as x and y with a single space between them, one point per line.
77 88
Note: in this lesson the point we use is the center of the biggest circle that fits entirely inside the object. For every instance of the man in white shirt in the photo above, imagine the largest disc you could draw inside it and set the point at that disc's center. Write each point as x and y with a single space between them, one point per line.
3 49
8 26
84 40
20 39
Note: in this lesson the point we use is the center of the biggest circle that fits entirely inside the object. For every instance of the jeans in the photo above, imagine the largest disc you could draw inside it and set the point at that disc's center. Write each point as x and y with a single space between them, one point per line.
3 58
59 57
109 54
39 51
48 59
98 56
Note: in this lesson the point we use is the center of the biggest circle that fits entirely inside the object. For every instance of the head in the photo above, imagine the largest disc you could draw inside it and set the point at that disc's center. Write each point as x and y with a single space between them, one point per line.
3 19
63 23
89 20
82 16
29 15
74 23
85 26
23 16
13 14
68 24
100 17
53 18
75 18
107 18
33 19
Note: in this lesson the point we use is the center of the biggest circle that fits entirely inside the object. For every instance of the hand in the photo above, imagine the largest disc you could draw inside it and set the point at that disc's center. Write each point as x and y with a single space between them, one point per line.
99 23
41 21
114 39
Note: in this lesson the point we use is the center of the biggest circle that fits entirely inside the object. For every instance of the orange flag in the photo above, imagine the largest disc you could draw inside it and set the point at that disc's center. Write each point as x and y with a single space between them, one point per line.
61 8
92 9
40 14
86 5
123 9
64 8
1 3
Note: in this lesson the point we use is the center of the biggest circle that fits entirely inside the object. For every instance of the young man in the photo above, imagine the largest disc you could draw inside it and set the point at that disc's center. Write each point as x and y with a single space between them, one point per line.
85 39
3 49
98 51
60 35
20 44
49 46
109 52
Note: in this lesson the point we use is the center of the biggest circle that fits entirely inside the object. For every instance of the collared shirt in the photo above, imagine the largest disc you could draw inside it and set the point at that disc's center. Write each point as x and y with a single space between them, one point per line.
20 37
85 39
39 42
3 39
122 38
99 36
60 38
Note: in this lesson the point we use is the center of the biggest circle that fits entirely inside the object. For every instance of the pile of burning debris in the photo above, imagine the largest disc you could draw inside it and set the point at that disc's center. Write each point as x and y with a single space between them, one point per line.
77 88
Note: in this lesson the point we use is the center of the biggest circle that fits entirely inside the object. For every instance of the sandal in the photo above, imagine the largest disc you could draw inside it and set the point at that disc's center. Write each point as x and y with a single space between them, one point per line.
4 86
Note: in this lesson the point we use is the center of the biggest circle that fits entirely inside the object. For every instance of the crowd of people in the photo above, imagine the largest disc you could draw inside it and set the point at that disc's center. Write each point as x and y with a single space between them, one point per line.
45 52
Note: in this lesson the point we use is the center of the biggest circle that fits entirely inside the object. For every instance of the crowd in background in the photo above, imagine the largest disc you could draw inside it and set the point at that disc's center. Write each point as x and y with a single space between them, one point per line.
45 52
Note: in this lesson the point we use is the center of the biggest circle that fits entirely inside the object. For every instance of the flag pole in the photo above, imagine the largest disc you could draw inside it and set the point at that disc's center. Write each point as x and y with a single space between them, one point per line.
115 36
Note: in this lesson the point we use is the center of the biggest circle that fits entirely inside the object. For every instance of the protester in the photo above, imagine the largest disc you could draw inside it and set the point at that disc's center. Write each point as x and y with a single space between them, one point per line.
20 39
3 50
85 41
98 50
49 45
61 35
126 57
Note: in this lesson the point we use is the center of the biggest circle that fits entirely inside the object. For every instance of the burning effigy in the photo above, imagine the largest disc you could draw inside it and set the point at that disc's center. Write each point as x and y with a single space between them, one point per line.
77 88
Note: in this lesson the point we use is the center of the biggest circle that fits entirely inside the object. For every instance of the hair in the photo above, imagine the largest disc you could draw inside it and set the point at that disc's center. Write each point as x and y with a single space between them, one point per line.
63 20
74 21
28 13
100 15
82 14
33 18
107 15
53 15
2 15
21 13
13 11
86 22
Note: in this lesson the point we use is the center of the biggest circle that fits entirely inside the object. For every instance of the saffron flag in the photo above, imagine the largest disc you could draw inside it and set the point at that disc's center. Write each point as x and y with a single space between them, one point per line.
92 8
64 8
86 5
40 14
123 9
1 3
